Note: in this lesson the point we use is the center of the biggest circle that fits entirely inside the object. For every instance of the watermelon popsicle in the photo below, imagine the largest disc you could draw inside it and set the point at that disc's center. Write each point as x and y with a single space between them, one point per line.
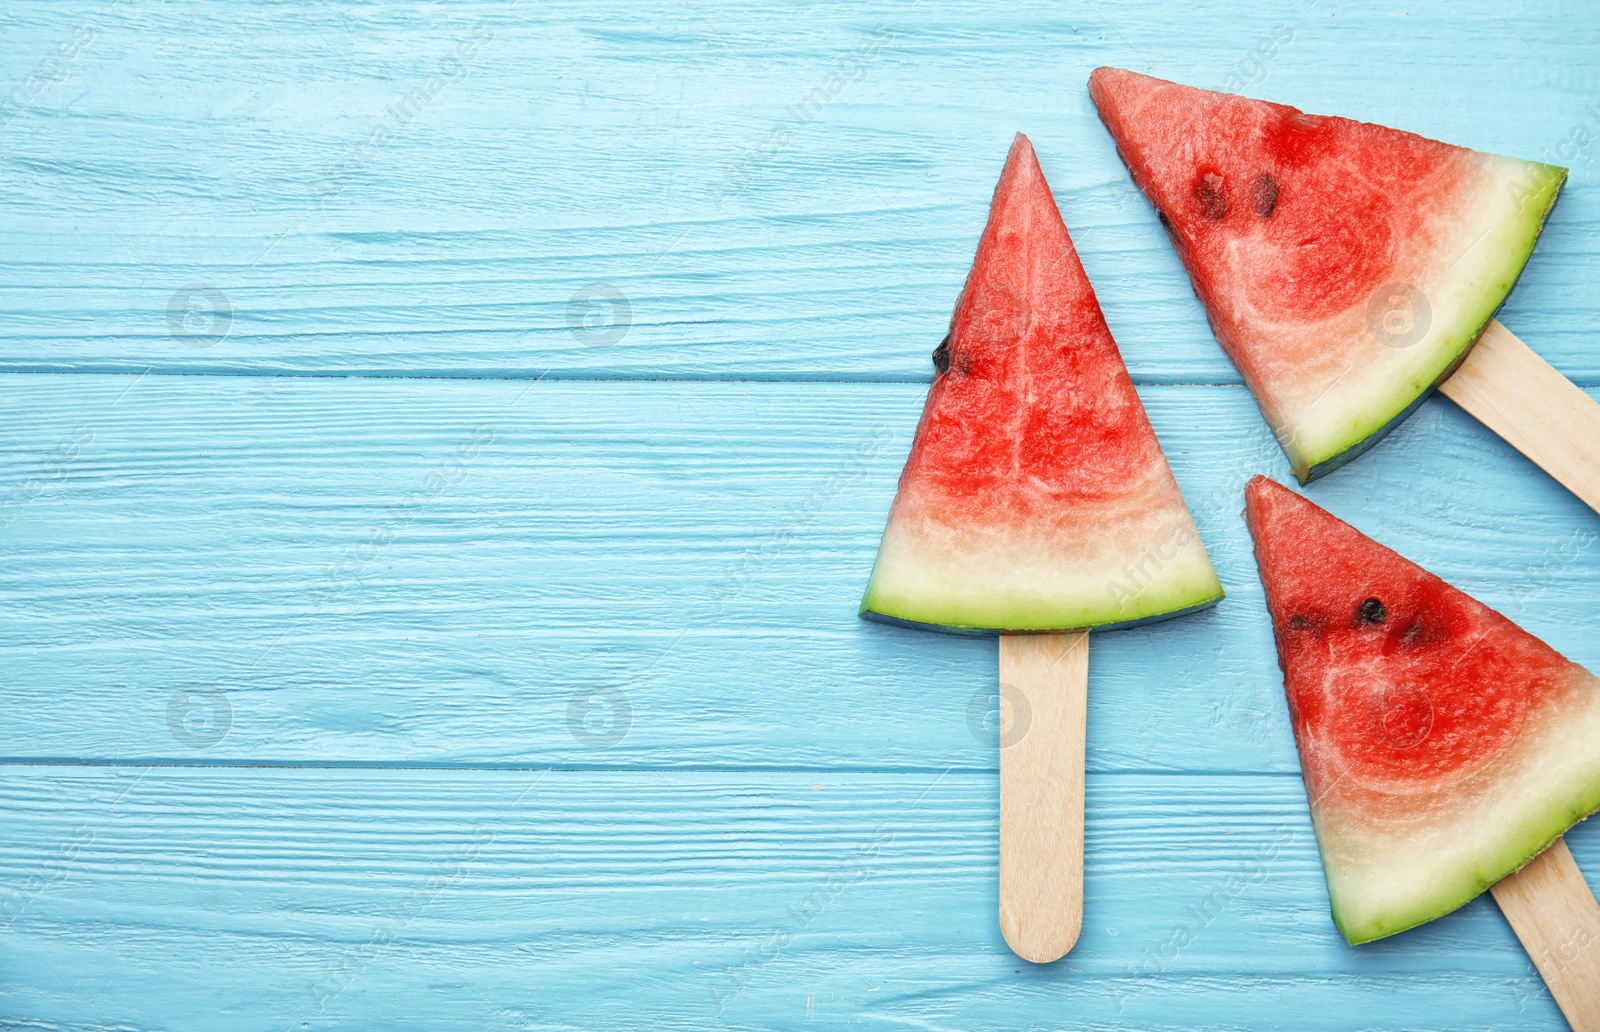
1443 747
1348 269
1035 504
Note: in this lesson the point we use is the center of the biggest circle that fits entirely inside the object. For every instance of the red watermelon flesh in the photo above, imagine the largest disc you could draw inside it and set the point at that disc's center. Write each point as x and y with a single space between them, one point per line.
1442 746
1346 268
1036 496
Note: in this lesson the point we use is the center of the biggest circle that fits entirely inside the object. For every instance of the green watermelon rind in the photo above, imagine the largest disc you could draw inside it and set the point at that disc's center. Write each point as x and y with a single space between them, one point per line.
1495 867
1388 410
1179 600
1360 448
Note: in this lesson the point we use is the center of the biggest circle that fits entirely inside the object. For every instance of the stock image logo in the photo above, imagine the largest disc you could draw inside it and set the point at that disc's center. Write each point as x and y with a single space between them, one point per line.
1402 716
199 717
599 315
999 716
599 717
1004 315
199 315
1399 315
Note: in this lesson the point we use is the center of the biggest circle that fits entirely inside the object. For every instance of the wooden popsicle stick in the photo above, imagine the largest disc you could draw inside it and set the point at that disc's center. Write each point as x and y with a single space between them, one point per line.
1507 387
1044 679
1555 915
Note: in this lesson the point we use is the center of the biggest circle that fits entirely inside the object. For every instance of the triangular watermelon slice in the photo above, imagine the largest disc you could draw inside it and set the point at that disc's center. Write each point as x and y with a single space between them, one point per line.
1346 268
1035 496
1443 747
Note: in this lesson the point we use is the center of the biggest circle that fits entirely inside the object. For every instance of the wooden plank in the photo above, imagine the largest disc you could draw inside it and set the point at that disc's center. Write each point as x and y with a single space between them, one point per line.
661 156
194 898
615 574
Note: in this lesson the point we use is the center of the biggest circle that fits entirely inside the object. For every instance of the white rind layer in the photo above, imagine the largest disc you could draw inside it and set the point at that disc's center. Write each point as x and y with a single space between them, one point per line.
1134 558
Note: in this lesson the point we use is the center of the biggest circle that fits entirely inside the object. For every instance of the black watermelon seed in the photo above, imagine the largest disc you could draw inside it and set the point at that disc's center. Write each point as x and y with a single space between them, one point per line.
941 355
1213 200
1372 611
1266 188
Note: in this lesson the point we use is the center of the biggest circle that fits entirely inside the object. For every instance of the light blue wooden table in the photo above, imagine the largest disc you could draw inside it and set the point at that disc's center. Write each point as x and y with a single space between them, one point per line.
444 445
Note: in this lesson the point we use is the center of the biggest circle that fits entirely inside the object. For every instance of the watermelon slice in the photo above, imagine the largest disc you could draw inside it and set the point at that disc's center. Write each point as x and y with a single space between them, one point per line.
1346 268
1443 747
1035 496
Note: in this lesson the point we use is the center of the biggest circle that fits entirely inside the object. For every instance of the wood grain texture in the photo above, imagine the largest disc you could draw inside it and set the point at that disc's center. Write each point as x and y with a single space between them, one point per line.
1044 681
1511 390
234 149
192 899
691 551
1554 913
767 814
